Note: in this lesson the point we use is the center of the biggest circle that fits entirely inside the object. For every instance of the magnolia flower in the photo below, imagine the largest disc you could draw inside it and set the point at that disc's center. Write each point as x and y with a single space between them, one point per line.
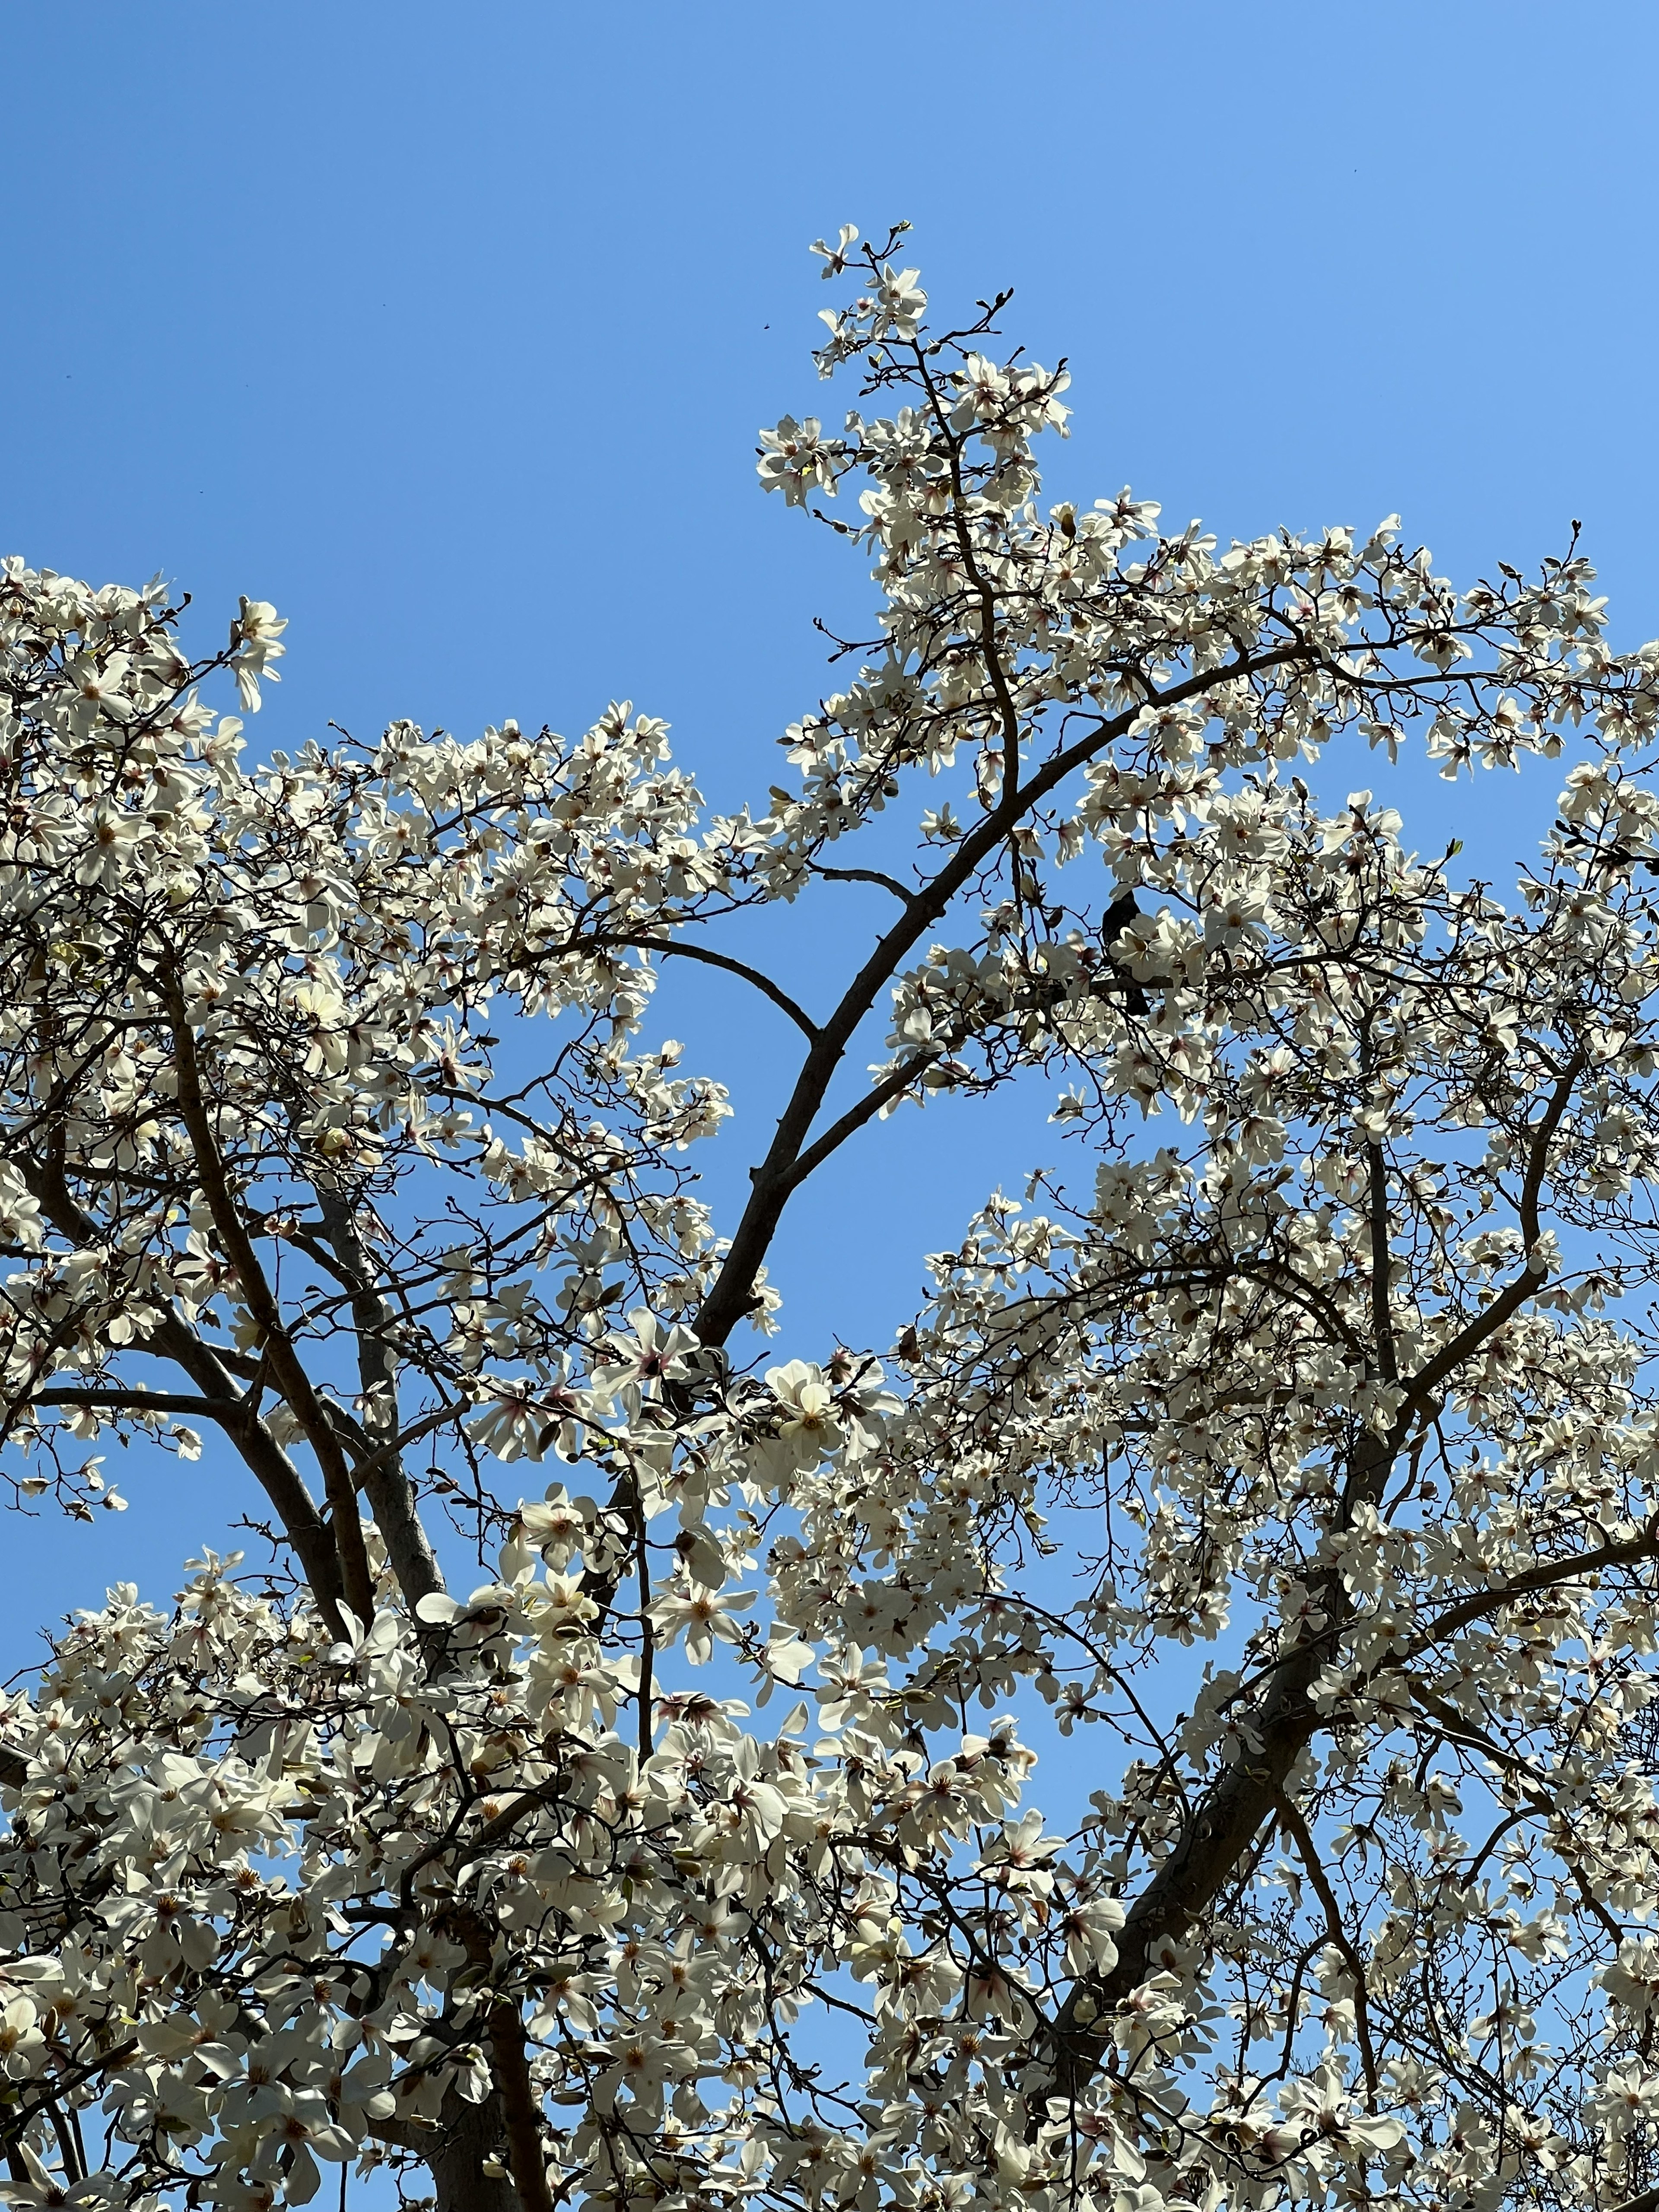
511 1421
700 1614
1322 2101
809 1425
46 2191
796 459
651 1354
1017 1859
851 1684
558 1525
113 842
254 635
900 301
98 692
21 2042
1631 1979
1627 2098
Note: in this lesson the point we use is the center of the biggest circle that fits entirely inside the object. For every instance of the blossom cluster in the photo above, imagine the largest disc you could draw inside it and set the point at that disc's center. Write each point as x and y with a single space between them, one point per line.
1178 1727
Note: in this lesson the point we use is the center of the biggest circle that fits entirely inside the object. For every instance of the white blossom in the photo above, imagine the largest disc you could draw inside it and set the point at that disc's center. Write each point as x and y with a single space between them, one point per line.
1217 1637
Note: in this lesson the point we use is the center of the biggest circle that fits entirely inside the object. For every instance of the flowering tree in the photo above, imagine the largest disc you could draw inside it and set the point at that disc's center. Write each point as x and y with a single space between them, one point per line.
492 1892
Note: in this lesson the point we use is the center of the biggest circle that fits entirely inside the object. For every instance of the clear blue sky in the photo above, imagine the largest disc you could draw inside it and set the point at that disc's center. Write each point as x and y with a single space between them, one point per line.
448 328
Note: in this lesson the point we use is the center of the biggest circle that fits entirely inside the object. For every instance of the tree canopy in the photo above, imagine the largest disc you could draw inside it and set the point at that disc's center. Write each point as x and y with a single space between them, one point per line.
1283 1468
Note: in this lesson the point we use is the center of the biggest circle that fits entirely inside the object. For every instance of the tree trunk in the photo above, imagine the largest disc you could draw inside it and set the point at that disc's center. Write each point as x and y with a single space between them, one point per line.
471 2133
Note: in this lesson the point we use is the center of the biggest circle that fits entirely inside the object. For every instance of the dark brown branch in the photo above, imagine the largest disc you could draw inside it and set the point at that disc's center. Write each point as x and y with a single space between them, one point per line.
526 2157
1548 1574
728 1300
509 2070
1221 1828
230 1413
1220 1831
1454 1727
1297 1828
892 1086
171 1339
380 1472
762 983
270 1466
901 892
1514 1294
481 1839
286 1366
1006 712
1381 1265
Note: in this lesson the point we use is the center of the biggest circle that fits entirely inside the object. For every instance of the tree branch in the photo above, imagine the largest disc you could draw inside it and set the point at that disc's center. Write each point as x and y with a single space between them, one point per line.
1297 1828
526 2156
173 1339
1548 1574
901 891
356 1582
1514 1294
892 1086
762 983
728 1299
381 1473
228 1412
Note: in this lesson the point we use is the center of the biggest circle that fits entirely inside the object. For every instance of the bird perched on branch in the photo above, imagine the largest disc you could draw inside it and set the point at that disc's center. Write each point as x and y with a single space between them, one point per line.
1117 918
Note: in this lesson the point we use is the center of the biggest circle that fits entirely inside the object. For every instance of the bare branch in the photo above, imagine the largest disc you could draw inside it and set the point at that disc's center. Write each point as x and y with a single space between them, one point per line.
677 949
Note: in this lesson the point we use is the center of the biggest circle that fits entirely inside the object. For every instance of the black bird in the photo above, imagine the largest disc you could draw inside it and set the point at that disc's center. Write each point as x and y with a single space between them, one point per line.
1117 918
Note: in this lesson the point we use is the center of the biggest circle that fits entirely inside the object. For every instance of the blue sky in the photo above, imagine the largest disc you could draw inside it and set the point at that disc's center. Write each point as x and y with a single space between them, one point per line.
449 329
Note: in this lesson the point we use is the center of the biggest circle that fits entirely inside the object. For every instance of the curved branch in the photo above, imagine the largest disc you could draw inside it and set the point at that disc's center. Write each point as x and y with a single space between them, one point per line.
1514 1294
762 983
1548 1574
379 1475
1297 1828
357 1582
901 891
773 1181
171 1338
892 1086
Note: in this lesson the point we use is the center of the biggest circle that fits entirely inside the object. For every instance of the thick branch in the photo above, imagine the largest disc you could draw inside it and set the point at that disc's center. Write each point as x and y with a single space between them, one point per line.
1381 1264
385 1485
509 2070
892 1086
1548 1574
774 1180
145 1401
286 1366
1246 1793
526 2158
1219 1833
170 1338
